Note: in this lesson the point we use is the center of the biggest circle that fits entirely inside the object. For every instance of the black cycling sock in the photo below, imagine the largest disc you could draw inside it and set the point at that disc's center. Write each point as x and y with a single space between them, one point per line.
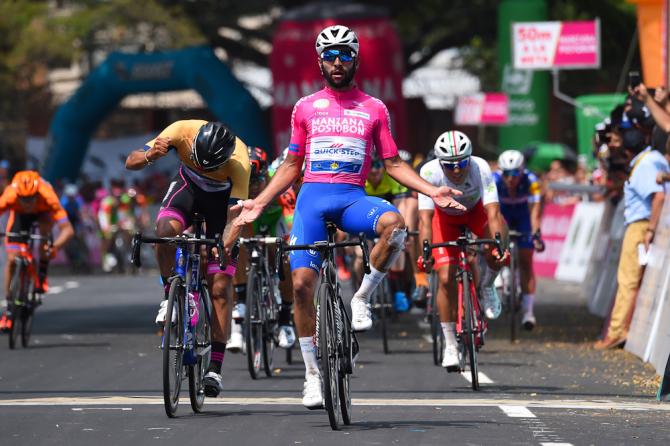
284 315
218 352
165 280
241 292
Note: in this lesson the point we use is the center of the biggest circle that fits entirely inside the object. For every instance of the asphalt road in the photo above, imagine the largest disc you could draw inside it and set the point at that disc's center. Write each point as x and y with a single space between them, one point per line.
92 375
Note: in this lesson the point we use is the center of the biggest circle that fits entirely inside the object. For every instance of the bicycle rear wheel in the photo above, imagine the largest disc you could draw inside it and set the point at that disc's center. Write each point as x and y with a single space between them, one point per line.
327 332
270 327
435 328
203 345
253 323
469 334
384 300
173 347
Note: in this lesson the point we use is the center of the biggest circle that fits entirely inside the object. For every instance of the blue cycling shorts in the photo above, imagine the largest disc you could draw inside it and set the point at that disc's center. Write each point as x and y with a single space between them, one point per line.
520 221
346 205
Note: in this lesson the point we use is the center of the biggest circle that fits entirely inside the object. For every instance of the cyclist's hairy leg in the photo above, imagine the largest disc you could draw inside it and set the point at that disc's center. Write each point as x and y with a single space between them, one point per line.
526 270
221 286
304 285
392 235
447 293
167 227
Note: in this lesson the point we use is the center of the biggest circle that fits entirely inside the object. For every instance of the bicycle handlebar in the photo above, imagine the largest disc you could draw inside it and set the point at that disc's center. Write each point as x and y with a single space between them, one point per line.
322 246
28 236
184 239
260 239
461 242
534 237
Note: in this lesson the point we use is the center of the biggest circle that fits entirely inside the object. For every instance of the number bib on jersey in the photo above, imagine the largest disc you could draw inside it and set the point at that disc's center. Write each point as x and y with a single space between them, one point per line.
336 154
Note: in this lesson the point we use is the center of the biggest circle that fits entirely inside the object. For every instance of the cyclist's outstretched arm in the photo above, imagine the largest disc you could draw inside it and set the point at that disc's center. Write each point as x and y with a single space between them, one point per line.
405 175
286 174
66 232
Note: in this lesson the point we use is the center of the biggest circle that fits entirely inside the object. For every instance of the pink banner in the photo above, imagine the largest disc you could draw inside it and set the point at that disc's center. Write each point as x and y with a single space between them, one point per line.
482 109
556 45
555 226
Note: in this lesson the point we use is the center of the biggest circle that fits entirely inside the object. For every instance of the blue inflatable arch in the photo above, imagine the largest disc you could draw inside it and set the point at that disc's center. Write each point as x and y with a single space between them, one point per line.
122 74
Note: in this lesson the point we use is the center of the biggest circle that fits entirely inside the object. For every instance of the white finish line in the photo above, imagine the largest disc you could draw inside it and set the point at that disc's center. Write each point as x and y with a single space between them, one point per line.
516 411
483 379
125 401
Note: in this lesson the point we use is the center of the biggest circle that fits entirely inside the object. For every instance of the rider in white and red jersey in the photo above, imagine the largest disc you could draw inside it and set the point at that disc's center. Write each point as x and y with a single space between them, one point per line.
335 132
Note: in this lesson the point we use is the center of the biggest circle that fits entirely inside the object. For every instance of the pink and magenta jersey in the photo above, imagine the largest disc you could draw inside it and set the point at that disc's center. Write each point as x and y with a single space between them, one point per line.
336 132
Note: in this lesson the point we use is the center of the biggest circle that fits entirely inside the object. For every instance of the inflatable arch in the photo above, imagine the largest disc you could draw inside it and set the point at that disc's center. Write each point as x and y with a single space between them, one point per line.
122 74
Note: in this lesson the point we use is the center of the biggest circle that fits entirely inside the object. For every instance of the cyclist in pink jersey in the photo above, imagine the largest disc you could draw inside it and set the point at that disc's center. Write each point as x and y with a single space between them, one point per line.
334 131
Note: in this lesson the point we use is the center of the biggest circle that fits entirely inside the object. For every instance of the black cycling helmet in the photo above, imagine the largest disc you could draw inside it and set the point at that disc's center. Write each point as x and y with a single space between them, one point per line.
258 159
212 146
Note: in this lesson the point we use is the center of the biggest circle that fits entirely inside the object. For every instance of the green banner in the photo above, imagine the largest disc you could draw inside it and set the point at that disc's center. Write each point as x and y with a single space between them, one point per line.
528 91
591 110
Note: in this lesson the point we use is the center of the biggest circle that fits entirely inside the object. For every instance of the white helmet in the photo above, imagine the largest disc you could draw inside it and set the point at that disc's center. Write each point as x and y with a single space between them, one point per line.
453 146
510 160
336 35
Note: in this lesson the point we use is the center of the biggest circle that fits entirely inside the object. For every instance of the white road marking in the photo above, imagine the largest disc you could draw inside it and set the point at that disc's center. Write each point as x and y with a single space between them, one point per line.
516 411
55 289
79 409
71 284
483 379
124 401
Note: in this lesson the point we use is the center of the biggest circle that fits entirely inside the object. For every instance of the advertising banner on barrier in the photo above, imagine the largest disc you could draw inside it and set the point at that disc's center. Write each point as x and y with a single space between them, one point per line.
555 225
649 333
580 242
600 286
556 45
482 109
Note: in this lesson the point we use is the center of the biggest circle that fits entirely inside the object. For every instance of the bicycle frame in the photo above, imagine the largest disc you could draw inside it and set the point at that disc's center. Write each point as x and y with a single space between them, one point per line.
469 312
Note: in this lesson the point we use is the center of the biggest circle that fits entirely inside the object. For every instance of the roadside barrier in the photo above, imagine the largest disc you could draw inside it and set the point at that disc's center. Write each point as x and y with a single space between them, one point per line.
649 334
600 283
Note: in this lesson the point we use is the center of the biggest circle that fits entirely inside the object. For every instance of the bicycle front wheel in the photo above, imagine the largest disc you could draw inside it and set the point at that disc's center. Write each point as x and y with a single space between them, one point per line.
16 303
203 348
469 334
27 324
253 323
346 363
514 299
329 357
173 347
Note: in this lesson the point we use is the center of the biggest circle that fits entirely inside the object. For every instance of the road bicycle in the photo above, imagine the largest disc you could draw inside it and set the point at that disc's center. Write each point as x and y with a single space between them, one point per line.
186 341
470 323
24 293
336 343
261 324
512 292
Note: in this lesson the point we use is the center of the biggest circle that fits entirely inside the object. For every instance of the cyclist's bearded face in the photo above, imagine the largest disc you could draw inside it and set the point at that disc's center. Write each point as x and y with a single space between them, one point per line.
338 73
